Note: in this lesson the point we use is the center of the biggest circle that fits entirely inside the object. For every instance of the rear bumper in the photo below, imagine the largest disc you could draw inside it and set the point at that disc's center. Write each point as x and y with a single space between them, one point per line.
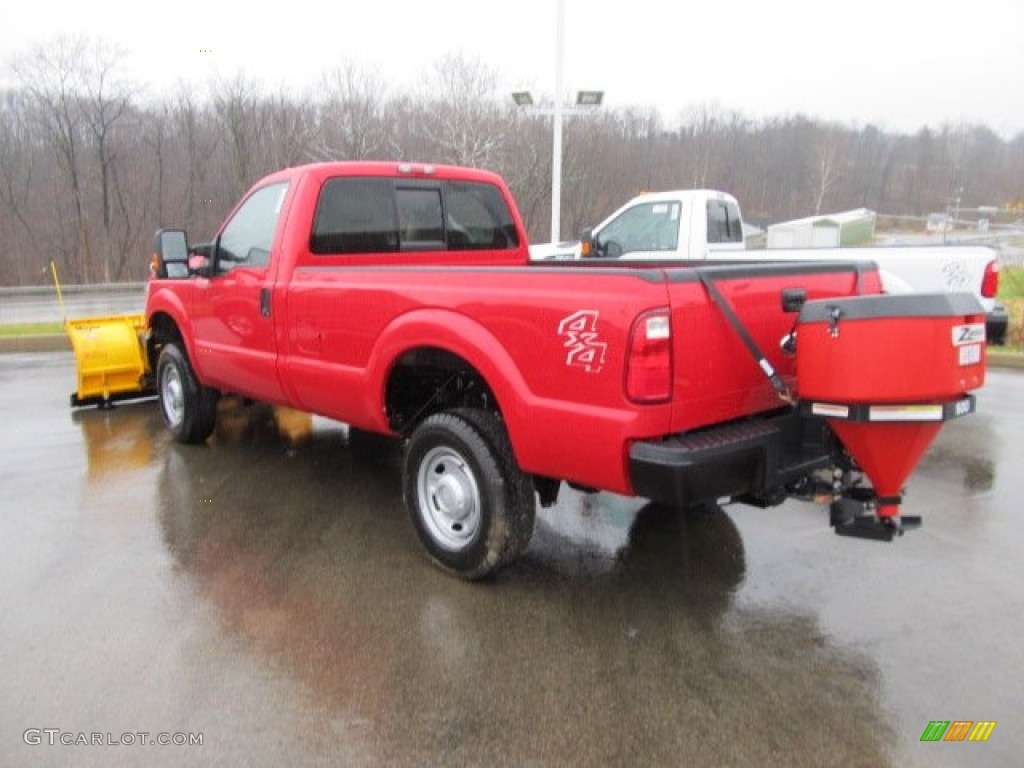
752 461
997 321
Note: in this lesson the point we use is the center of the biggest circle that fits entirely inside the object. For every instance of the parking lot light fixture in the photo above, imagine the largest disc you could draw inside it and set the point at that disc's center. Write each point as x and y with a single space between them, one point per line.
558 111
589 98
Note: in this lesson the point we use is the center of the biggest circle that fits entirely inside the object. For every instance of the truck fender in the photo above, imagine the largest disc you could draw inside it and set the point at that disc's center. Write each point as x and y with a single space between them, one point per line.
459 335
169 303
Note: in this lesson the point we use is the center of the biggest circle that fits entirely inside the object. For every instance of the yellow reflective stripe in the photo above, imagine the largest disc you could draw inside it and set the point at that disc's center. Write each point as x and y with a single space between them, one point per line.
982 730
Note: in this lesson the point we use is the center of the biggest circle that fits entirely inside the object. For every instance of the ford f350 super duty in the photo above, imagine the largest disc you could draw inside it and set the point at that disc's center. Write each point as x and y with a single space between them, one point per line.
400 298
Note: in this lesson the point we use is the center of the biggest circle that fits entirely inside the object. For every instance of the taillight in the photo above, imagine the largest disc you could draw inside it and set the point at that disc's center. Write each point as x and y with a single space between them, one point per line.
990 282
649 364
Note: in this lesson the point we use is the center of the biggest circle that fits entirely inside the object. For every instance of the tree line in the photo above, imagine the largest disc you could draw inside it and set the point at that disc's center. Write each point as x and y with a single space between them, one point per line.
90 167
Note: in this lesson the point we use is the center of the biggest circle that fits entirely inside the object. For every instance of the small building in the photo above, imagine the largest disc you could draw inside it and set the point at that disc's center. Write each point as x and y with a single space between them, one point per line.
849 228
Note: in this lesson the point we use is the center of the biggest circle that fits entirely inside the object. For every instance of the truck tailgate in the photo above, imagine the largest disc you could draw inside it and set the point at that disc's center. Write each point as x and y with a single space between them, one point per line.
716 377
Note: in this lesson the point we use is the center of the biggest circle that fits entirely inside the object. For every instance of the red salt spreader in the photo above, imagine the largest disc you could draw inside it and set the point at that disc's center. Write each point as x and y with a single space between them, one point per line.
885 372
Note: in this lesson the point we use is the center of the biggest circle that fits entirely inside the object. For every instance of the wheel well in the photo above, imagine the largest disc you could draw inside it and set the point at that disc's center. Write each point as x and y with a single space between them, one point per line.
428 380
162 331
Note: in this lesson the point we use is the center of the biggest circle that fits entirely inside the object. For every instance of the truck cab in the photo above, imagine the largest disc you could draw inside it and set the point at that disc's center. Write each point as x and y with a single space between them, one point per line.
701 223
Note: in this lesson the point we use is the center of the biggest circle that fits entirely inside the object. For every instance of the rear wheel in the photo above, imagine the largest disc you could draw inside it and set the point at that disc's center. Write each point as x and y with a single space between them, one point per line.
471 505
189 409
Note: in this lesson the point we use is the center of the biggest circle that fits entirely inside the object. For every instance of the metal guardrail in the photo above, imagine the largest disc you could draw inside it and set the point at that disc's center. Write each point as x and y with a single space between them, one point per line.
40 303
48 290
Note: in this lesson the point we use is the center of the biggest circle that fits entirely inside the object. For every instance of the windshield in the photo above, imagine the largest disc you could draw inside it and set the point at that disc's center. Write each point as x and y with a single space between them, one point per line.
644 227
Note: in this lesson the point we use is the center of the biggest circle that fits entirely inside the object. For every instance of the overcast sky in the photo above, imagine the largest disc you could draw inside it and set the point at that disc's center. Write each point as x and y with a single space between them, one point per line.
899 64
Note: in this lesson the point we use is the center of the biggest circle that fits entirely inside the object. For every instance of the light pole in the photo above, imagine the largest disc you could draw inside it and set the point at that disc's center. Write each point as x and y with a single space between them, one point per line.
584 100
951 222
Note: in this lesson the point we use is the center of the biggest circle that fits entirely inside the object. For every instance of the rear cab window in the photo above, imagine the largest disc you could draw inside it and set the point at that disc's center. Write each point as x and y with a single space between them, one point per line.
357 215
724 223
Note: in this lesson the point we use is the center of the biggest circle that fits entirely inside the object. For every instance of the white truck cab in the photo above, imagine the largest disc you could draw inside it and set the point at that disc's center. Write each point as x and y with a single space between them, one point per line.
697 222
681 224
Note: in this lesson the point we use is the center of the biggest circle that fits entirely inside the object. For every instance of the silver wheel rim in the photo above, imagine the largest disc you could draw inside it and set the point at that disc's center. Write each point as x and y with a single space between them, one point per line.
172 395
448 498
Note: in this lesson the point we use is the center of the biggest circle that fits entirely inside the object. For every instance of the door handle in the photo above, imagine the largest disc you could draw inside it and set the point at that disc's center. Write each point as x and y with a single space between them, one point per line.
265 302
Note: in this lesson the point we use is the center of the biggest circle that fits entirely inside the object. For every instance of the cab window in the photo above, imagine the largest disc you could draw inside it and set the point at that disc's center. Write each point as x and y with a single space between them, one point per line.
420 218
377 215
355 215
724 224
644 227
247 238
478 218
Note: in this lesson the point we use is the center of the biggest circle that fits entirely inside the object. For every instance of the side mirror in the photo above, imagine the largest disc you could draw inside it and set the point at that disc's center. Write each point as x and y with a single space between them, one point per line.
170 254
587 245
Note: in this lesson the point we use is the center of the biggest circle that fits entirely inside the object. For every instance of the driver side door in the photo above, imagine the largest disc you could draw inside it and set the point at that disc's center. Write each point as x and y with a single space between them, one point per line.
233 317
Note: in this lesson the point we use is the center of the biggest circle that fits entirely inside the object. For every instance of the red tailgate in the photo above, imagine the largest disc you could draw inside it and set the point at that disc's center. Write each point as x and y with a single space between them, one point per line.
716 378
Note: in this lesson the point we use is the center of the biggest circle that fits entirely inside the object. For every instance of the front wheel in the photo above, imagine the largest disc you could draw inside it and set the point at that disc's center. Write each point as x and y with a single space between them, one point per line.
471 505
189 409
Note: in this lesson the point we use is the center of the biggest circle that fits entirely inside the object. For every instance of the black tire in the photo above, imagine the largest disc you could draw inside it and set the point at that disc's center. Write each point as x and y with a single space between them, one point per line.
471 505
702 510
189 409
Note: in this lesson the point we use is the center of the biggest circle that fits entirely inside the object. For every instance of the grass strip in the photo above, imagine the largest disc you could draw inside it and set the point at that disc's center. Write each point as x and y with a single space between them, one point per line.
31 329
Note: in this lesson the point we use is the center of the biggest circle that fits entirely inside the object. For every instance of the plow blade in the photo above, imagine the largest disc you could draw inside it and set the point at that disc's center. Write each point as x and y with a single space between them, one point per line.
111 358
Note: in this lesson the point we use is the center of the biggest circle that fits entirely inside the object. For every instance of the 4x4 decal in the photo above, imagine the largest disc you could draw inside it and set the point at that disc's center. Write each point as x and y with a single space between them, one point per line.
585 349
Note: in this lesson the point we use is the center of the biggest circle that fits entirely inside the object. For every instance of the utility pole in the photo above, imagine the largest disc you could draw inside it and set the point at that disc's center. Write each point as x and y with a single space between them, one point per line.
556 143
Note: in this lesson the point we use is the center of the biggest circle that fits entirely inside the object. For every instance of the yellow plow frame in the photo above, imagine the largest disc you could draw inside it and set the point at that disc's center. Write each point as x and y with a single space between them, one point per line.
110 353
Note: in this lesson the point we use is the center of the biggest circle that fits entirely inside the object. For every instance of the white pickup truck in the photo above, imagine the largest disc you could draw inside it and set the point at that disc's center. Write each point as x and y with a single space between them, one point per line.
704 224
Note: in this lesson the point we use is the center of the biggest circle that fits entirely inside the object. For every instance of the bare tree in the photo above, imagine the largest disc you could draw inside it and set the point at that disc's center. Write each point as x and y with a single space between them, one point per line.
17 179
702 126
53 78
106 98
243 121
525 162
291 126
201 146
461 118
352 117
826 163
87 171
17 159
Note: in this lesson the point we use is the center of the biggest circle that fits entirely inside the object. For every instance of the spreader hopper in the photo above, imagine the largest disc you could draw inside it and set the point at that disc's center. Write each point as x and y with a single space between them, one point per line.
885 372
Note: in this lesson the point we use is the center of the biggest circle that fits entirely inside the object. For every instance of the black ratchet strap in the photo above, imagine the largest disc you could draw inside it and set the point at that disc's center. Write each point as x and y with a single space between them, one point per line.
762 362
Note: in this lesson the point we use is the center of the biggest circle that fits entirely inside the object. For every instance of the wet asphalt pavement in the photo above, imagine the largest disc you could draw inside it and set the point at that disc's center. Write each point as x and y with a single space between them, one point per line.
267 592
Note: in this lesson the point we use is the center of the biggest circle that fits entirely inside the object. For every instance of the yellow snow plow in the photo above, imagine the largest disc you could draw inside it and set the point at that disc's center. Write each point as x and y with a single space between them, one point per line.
110 354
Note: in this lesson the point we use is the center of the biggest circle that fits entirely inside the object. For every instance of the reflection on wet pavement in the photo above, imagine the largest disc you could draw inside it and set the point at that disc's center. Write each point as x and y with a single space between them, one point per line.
606 642
267 589
117 442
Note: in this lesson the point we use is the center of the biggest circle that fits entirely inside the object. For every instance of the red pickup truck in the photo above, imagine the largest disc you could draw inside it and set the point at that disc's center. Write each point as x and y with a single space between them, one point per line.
400 298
